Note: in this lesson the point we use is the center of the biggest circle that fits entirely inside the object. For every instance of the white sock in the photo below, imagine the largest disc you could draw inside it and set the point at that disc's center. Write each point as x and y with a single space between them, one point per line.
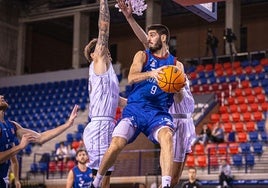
97 180
166 180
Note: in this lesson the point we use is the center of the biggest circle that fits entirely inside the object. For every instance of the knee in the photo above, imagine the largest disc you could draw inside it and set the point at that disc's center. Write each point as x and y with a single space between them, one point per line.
165 135
118 144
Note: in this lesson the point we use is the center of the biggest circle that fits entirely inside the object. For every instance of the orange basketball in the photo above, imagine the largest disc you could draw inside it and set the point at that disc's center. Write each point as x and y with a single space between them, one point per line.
172 80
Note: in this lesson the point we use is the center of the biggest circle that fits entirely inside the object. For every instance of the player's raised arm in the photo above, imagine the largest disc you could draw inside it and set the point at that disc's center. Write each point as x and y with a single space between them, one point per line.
127 11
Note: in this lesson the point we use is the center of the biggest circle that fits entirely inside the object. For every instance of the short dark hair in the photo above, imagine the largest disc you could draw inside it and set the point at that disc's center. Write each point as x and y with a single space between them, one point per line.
80 150
161 30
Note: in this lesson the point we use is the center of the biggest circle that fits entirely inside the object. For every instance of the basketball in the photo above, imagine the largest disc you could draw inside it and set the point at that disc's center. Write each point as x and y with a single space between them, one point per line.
172 80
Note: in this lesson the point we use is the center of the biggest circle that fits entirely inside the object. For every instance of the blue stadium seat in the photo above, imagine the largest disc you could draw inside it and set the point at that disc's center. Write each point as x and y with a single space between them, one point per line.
212 80
250 160
245 147
69 138
237 160
253 136
245 63
34 168
257 148
261 125
80 128
264 136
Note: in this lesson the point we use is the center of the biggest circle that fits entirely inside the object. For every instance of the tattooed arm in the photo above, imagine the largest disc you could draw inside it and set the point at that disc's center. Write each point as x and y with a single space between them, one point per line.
102 59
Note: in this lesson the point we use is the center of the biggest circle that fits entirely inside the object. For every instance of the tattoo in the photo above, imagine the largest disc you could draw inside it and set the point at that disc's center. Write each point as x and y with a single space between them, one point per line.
104 23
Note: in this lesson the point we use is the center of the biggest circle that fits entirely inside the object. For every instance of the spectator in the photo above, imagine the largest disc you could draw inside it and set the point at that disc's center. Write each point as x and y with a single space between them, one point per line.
230 37
192 182
62 153
217 135
205 135
225 174
212 44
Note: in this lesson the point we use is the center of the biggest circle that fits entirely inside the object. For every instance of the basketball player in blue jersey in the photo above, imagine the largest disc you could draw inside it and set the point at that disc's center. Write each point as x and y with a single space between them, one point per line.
9 130
181 109
104 97
147 106
80 176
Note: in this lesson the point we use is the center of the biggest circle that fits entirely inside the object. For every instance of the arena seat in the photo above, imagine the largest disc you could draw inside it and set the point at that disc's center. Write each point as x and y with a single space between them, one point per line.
234 148
264 106
233 108
52 167
215 117
225 117
257 116
253 136
70 164
250 160
245 147
199 149
261 125
242 137
222 148
211 148
250 126
239 126
190 161
243 108
257 148
237 160
223 109
228 127
202 161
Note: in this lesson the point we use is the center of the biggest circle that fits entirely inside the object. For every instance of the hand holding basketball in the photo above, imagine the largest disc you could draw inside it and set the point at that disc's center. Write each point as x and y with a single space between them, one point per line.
172 79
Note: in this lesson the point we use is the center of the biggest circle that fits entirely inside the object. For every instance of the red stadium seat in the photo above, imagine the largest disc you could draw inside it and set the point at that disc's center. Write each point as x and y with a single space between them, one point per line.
248 69
257 116
239 127
231 100
243 108
242 137
236 64
240 100
199 149
200 68
211 148
202 161
264 61
261 98
253 107
229 72
213 161
257 90
225 117
208 67
52 167
228 127
236 117
251 99
239 70
75 144
193 75
238 92
70 164
227 65
234 148
250 126
190 161
233 108
222 148
247 116
215 117
245 84
248 91
264 106
258 69
223 109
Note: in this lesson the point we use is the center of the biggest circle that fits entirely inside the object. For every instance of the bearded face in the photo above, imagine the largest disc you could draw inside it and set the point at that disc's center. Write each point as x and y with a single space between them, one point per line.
3 103
155 47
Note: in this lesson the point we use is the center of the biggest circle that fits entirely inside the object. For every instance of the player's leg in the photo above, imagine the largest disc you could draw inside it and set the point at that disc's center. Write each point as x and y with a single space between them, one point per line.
166 154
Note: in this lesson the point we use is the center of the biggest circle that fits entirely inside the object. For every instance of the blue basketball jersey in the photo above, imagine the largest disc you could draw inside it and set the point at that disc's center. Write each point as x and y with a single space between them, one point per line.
82 179
147 91
7 141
